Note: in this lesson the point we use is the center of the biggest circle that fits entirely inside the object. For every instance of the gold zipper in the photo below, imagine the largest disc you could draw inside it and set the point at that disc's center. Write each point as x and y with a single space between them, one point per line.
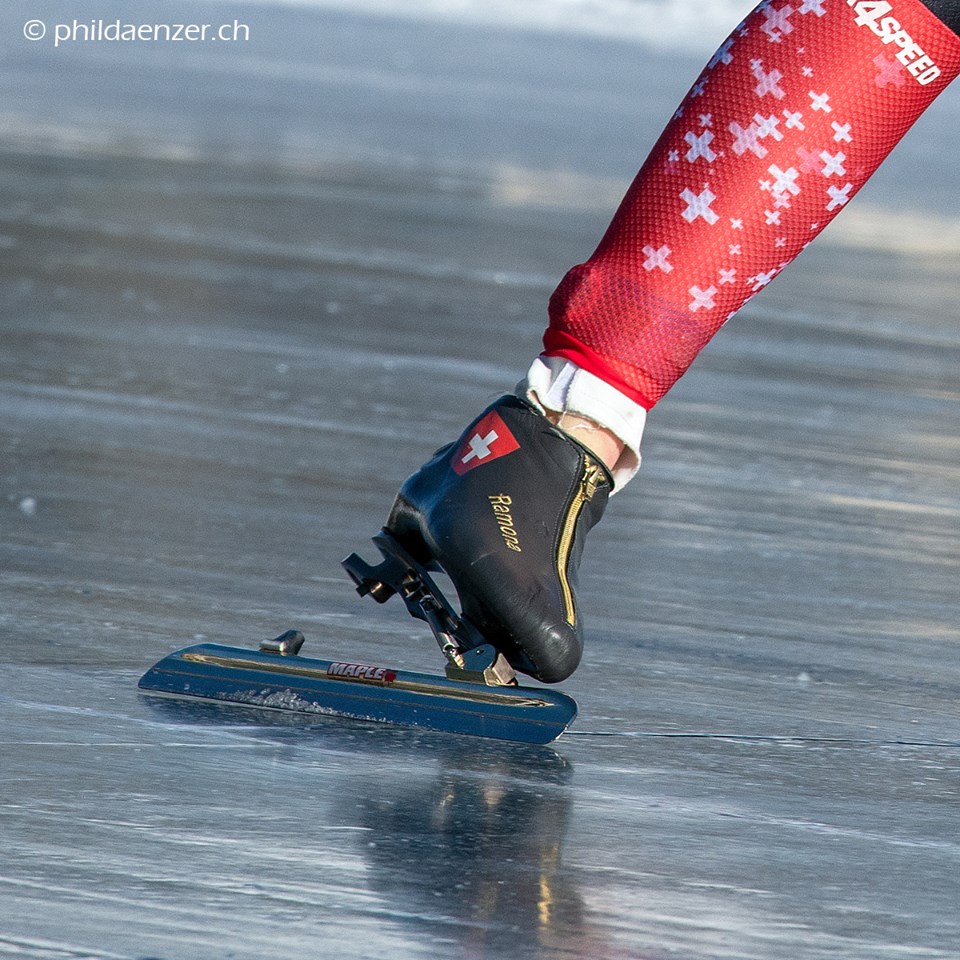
591 479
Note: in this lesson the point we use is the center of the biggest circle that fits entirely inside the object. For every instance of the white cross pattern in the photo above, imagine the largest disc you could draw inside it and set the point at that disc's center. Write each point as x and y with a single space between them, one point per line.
657 258
813 6
727 276
778 22
761 280
841 132
747 139
480 447
768 127
785 181
698 205
794 120
702 299
820 101
833 163
767 82
700 147
839 196
722 55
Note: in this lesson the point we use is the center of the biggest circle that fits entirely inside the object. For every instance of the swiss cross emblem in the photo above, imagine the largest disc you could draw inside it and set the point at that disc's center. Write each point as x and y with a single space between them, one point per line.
489 439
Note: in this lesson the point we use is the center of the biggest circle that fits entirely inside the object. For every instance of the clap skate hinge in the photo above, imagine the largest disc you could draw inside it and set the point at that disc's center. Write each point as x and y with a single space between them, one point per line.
398 573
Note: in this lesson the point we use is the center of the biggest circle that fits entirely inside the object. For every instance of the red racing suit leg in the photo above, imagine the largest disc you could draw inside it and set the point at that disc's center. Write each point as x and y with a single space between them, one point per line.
787 121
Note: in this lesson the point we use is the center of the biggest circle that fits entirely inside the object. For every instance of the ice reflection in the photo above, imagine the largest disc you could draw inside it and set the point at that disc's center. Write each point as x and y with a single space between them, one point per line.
478 844
468 849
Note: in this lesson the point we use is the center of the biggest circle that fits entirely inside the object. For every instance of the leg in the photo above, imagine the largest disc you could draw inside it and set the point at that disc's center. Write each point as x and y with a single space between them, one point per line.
789 119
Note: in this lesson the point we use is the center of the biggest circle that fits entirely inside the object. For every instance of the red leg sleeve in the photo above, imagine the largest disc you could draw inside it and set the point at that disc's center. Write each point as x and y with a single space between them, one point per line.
788 120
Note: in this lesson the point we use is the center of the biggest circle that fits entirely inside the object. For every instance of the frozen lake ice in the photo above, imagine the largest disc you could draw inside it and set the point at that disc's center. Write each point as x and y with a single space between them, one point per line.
244 293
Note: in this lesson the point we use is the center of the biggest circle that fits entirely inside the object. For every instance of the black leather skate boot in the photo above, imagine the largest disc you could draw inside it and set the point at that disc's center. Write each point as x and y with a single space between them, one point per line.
504 512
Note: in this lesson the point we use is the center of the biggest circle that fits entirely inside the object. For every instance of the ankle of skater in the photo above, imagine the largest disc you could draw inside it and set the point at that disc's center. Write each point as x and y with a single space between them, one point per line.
590 410
600 441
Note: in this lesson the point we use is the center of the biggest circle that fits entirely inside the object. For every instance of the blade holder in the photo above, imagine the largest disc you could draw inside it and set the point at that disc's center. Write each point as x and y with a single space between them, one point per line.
399 573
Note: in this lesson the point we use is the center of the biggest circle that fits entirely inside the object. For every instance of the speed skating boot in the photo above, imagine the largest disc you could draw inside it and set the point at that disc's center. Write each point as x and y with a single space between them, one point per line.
503 512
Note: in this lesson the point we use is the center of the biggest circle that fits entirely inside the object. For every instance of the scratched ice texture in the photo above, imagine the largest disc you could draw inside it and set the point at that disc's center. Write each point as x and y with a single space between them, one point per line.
245 290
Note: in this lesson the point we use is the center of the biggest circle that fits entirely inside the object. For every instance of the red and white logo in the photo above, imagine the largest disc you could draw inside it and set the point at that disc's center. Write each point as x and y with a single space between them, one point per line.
489 439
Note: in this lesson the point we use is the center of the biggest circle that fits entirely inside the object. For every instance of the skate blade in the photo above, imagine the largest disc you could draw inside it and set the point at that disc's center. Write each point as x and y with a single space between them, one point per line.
266 679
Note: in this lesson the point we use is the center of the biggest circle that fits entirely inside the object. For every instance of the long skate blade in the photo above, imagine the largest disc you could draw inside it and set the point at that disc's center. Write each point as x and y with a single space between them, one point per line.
266 679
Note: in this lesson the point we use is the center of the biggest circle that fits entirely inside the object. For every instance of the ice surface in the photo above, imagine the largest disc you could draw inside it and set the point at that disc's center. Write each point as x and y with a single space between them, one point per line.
766 760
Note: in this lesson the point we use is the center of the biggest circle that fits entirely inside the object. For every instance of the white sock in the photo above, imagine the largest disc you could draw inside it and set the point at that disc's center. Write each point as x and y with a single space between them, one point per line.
556 385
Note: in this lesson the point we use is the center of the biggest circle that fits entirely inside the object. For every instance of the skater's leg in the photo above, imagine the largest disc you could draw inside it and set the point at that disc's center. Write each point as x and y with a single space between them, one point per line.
786 123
